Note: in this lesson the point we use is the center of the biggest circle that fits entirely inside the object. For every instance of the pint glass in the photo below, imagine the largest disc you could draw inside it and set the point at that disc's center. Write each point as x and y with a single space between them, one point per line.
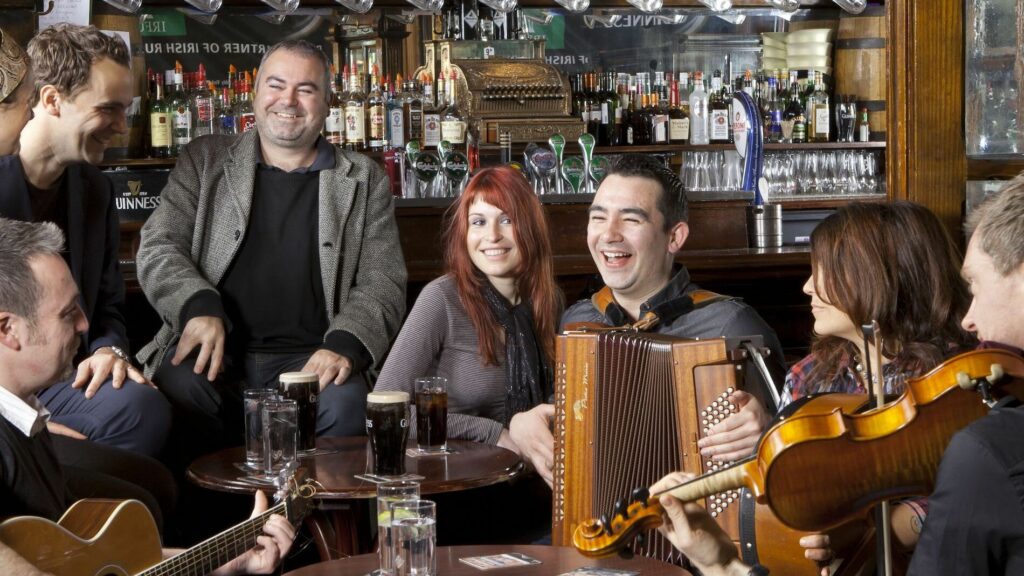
431 413
304 388
387 425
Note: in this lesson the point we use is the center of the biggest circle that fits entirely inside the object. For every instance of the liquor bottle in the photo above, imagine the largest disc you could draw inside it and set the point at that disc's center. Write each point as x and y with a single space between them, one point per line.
593 105
393 166
606 133
863 128
800 129
628 101
431 117
243 108
718 113
225 122
453 121
412 110
375 112
819 112
699 127
202 105
579 101
642 116
621 94
678 119
470 18
231 88
794 107
334 124
397 133
159 123
659 114
772 115
727 87
355 112
181 116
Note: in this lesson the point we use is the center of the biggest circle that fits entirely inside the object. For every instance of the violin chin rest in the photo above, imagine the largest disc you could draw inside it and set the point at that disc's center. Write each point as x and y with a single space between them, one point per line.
997 373
964 381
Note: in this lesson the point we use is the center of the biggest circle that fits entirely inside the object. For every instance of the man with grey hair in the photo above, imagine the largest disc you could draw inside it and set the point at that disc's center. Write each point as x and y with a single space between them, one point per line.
271 252
41 324
82 87
975 523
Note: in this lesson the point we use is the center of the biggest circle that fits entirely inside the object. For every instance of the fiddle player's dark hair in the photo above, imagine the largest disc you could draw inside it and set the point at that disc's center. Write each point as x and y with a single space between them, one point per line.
894 263
672 200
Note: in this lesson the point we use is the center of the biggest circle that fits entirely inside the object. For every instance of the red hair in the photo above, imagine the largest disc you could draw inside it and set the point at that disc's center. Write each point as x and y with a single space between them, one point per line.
506 189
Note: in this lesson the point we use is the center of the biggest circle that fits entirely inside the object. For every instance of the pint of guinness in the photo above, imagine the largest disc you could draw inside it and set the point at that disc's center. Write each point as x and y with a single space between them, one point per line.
387 425
304 388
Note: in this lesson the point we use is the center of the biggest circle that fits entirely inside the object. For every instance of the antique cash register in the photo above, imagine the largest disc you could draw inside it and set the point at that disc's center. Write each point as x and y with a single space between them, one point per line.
505 86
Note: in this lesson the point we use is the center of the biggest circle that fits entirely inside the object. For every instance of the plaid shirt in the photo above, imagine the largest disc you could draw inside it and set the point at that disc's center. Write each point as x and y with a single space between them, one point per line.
847 380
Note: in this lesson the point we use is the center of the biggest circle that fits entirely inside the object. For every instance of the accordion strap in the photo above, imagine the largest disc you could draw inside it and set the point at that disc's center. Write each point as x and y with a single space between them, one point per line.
666 311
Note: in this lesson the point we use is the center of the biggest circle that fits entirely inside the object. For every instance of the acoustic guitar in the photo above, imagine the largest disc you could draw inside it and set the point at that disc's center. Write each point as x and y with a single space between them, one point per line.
120 538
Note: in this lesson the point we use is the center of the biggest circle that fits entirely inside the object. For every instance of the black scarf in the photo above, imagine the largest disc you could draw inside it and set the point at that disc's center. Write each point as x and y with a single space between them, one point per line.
527 377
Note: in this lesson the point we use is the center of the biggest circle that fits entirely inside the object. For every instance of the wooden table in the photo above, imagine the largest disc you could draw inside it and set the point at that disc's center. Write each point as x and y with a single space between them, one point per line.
554 560
343 499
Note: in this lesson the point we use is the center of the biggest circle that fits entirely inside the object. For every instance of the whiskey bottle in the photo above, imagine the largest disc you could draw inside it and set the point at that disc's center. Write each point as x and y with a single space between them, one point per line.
355 113
819 112
678 119
159 123
453 121
718 112
412 110
431 117
375 112
334 124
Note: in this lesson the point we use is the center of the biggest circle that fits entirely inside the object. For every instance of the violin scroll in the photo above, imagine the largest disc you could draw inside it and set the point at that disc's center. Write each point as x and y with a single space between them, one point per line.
631 518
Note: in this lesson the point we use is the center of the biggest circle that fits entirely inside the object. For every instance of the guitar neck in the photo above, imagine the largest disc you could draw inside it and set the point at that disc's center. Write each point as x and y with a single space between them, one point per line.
731 478
214 552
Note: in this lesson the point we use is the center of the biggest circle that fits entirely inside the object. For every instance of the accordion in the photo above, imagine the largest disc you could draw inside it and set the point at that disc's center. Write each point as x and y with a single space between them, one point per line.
629 408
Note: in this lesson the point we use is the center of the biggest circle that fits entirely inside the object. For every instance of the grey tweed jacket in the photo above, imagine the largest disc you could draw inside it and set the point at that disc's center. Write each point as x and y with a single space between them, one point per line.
190 240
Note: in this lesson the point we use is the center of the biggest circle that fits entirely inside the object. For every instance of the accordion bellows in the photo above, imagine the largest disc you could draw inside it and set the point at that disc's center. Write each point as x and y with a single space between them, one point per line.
629 408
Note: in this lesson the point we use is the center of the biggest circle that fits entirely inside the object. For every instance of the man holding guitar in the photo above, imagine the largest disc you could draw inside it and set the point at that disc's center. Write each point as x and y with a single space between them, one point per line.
41 326
976 520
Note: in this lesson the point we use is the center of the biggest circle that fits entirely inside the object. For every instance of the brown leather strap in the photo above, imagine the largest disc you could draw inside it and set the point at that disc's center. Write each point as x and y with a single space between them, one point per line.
700 298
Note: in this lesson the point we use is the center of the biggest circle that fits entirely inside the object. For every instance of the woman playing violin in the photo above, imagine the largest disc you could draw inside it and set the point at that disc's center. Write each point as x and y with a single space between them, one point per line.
976 525
893 263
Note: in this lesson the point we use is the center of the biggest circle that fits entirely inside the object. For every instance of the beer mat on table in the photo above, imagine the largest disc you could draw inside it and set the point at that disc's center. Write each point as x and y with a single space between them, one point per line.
417 453
494 561
376 479
317 452
595 571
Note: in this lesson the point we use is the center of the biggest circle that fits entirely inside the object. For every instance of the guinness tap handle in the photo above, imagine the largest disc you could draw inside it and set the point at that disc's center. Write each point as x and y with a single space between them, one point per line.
586 142
557 143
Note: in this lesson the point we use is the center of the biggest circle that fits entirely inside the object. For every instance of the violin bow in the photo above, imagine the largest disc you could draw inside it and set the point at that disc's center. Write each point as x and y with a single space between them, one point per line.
876 389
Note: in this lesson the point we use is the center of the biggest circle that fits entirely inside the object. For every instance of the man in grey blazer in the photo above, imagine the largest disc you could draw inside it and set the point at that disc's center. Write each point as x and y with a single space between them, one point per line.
271 251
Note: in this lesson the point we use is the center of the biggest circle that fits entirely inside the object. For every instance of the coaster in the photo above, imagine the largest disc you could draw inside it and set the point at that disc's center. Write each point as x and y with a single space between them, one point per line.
376 479
417 453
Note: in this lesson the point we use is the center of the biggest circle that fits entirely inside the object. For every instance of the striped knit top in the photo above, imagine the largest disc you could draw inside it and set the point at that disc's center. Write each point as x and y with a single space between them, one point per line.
438 339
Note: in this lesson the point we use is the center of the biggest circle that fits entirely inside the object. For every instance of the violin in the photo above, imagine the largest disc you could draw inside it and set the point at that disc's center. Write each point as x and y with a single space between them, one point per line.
887 453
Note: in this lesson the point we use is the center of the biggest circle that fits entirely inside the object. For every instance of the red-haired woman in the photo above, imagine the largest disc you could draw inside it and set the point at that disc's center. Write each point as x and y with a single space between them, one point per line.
488 325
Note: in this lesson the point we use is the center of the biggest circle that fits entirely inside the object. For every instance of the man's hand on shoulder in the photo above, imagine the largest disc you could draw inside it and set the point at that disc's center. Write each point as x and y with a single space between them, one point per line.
330 366
736 436
531 432
106 363
207 333
271 546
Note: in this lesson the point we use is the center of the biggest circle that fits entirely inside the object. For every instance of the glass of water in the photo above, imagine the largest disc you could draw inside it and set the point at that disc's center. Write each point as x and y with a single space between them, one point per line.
414 533
253 400
388 495
280 435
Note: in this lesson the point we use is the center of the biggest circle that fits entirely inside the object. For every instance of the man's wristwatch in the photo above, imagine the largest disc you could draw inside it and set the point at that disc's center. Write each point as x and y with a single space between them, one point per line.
120 353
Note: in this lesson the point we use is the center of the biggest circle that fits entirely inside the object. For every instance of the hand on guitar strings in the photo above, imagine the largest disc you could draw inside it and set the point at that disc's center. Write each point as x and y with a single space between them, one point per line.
271 547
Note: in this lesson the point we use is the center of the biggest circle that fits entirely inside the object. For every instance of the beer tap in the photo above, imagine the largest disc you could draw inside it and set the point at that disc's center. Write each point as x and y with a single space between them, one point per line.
557 143
586 142
572 171
412 151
